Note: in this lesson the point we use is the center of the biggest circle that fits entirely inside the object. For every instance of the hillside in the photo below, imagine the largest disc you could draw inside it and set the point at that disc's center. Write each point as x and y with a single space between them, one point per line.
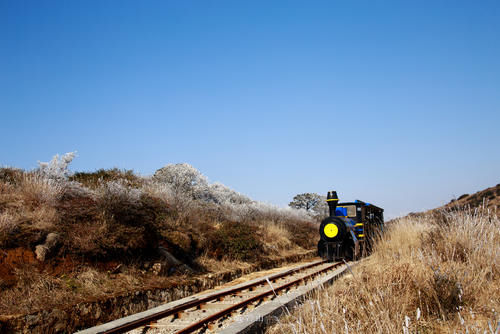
68 238
489 196
431 272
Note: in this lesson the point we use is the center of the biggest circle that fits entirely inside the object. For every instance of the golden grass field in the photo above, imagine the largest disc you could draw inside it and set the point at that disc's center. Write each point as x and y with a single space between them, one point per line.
435 273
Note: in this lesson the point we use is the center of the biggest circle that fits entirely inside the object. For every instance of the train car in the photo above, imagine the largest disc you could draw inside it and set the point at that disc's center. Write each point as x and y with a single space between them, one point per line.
349 231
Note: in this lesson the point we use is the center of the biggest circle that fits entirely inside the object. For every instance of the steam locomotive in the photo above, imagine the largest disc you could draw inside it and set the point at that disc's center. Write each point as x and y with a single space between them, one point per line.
348 233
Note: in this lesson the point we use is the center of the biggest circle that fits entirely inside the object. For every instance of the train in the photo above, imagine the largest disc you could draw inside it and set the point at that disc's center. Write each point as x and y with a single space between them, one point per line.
350 229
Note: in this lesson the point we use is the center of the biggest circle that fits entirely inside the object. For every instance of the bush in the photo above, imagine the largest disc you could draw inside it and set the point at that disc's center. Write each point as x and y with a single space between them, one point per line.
184 180
112 214
57 168
12 176
116 222
236 241
94 179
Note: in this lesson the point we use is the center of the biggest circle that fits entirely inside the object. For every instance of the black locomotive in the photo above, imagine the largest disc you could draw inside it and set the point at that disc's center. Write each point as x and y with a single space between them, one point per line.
349 231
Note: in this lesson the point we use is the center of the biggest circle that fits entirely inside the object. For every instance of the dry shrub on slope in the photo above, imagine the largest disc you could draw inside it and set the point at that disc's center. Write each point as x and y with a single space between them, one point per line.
489 197
65 238
436 273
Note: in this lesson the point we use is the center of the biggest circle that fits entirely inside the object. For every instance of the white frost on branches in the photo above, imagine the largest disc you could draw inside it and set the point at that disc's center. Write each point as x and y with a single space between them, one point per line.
184 179
187 183
220 194
57 168
113 191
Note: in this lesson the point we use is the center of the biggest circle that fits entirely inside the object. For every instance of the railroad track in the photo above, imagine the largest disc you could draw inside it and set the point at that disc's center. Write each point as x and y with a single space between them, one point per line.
212 311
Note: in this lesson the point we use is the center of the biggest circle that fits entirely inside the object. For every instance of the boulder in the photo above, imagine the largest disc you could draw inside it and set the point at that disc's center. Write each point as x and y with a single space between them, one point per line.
51 242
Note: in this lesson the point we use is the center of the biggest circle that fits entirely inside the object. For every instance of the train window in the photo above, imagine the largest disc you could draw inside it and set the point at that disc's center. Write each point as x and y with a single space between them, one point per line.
351 210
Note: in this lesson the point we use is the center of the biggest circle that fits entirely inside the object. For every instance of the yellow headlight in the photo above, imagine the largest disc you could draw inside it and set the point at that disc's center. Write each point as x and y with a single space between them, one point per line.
331 230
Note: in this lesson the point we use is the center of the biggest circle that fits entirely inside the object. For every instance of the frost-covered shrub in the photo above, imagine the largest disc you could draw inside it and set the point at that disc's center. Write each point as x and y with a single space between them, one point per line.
184 179
38 189
219 193
159 190
186 182
57 168
263 211
116 191
73 189
278 213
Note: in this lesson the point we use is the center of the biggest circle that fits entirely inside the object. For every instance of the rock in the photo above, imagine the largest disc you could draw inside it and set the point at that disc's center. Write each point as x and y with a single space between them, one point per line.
41 252
52 240
171 260
186 269
50 244
158 268
97 312
171 264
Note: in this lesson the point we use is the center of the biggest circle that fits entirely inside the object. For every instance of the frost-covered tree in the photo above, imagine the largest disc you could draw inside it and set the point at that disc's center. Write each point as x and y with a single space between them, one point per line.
321 208
187 181
184 185
184 180
306 201
57 168
219 194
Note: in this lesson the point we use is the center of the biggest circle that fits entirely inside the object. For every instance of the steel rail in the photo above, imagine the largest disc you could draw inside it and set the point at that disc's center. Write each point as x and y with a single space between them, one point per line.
202 323
195 303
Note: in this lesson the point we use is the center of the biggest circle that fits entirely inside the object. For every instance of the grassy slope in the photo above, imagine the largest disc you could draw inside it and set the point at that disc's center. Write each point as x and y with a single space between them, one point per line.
490 196
434 272
101 234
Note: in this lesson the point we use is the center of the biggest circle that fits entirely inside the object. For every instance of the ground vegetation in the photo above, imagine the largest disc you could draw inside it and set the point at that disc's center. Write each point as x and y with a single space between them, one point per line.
67 237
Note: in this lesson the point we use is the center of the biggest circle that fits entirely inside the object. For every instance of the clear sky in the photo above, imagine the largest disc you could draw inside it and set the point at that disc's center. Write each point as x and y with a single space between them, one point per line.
392 102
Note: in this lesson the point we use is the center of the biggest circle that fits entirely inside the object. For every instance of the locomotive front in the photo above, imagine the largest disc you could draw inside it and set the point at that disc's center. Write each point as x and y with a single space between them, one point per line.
349 230
334 233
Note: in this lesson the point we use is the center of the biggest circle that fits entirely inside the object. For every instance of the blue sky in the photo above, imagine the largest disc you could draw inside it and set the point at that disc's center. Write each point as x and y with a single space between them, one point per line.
392 102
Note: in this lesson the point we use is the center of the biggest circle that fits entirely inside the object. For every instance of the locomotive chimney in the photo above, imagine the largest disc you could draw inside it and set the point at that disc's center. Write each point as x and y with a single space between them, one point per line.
332 200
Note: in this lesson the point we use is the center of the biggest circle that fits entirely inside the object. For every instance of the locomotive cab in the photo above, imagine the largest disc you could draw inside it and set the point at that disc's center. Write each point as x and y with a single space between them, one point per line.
349 230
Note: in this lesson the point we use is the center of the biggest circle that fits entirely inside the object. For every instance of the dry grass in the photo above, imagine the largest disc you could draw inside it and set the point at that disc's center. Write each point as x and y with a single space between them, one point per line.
7 223
217 266
37 190
436 273
40 290
489 197
276 237
99 221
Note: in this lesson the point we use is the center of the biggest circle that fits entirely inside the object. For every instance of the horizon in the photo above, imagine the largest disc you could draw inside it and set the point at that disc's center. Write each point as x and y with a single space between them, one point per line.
395 104
455 197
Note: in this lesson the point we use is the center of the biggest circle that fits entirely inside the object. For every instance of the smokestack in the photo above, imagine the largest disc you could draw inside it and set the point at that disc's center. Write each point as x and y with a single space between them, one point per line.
332 199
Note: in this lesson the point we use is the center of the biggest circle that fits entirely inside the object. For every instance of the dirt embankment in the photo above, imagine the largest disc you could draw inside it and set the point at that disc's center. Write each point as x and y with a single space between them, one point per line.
69 318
